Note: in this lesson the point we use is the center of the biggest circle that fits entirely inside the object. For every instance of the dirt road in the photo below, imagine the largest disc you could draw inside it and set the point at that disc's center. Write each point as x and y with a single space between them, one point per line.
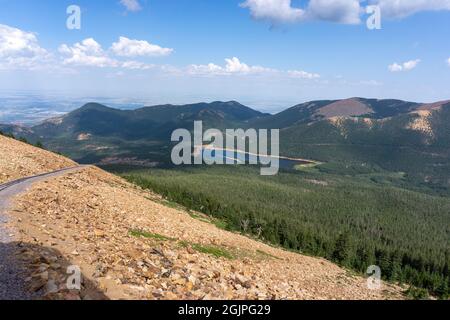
11 273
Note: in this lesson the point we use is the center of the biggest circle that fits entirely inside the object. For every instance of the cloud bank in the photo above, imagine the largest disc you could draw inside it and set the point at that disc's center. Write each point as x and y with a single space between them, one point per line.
232 66
20 49
405 8
337 11
86 53
89 53
133 48
282 11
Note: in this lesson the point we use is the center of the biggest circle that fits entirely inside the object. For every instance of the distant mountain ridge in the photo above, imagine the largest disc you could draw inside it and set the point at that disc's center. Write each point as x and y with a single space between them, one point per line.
395 135
96 132
219 113
322 109
157 121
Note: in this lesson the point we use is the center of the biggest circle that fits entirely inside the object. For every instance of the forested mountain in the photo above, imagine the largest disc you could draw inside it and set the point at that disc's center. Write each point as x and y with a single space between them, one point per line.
158 121
96 133
415 144
357 133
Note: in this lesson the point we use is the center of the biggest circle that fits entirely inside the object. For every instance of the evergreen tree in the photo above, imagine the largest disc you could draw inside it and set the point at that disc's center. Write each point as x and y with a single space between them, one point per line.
39 145
24 140
341 253
442 290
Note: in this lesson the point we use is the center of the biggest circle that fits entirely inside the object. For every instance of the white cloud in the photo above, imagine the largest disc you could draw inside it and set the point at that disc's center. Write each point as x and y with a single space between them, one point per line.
448 62
235 66
232 66
395 67
406 66
404 8
340 11
132 48
87 53
21 50
410 64
303 75
131 5
14 41
282 11
274 10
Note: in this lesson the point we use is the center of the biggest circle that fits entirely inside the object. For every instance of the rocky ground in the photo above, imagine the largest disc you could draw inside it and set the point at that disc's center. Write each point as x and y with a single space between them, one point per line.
19 160
129 244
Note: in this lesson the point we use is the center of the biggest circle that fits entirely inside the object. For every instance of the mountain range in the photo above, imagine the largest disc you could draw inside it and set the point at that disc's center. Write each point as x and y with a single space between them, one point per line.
355 134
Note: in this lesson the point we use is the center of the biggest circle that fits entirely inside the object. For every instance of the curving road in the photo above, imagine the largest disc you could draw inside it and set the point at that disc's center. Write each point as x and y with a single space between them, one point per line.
11 278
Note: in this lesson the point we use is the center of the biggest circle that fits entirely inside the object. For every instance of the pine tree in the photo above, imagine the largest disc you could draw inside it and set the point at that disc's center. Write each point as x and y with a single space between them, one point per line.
39 145
442 290
341 252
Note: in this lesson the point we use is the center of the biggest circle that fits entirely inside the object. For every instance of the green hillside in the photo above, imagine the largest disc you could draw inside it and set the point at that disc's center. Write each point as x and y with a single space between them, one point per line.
149 122
388 144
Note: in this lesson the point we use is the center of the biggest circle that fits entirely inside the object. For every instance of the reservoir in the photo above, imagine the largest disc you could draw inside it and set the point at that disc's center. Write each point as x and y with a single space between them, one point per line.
242 157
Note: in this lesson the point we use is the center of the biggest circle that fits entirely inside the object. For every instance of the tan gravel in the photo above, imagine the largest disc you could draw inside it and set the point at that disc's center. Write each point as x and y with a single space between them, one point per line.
18 160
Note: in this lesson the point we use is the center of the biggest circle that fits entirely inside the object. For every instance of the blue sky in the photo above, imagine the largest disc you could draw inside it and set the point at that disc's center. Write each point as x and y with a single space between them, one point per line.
279 52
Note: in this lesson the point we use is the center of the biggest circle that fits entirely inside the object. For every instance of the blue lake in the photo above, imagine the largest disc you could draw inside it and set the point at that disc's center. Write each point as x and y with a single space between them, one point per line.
240 157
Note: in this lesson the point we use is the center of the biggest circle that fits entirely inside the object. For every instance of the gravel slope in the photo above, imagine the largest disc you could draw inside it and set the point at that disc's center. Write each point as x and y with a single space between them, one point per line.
12 273
18 160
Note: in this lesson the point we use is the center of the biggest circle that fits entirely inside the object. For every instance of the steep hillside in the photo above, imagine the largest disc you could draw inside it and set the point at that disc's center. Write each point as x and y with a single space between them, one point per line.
18 131
345 108
416 143
302 113
18 160
130 244
406 233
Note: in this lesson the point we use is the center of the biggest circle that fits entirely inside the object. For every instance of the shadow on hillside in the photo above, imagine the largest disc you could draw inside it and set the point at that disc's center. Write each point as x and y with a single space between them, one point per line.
24 268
